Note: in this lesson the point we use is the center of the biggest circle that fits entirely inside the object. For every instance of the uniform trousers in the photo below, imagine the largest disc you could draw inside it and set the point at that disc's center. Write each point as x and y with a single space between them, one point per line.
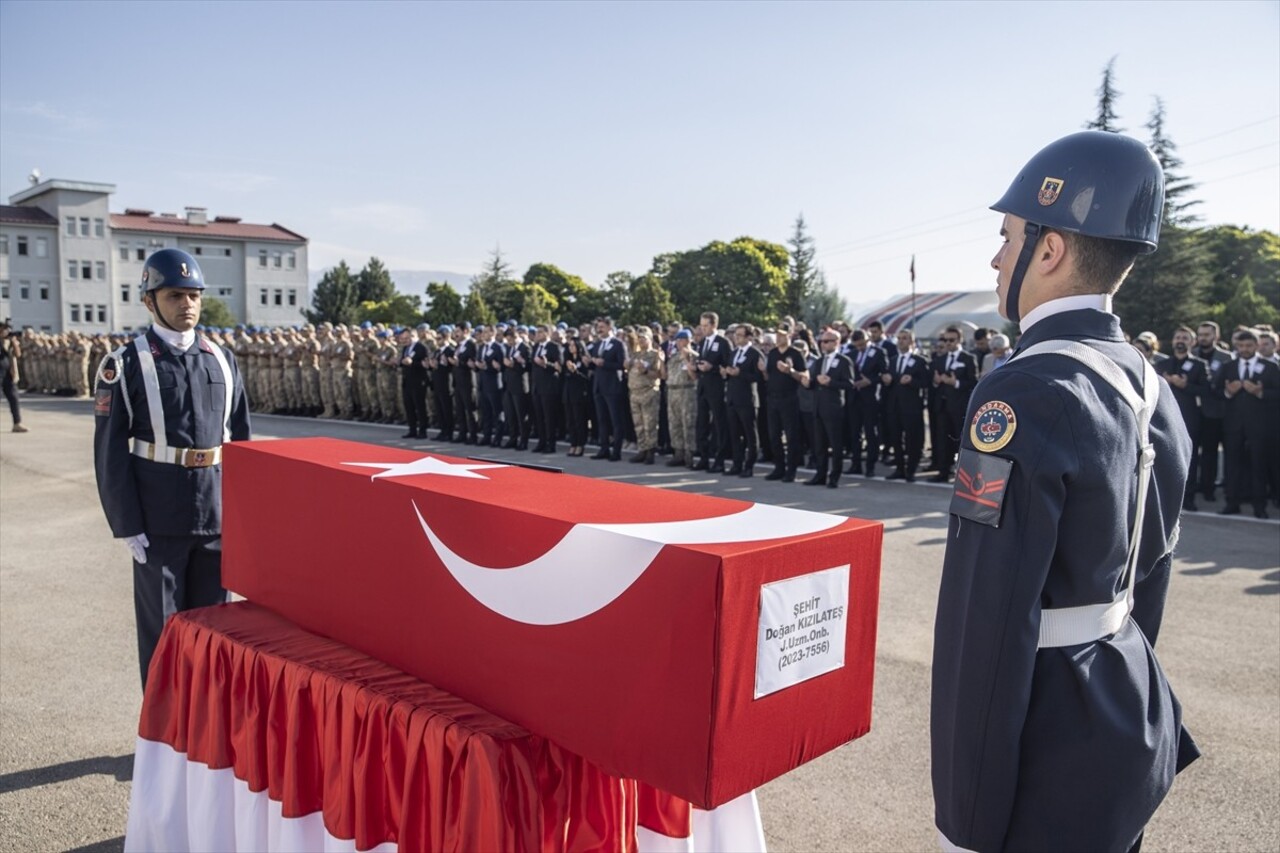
181 572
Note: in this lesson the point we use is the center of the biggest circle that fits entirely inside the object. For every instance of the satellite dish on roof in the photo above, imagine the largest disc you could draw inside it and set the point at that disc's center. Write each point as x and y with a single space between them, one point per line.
34 177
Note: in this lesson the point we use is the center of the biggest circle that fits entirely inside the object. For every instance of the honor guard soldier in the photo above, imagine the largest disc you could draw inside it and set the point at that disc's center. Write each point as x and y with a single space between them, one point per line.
164 405
1053 725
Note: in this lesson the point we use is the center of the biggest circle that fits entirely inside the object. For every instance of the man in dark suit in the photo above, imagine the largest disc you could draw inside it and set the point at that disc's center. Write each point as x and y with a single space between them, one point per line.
1247 383
954 376
713 416
742 375
413 383
515 389
905 382
608 387
546 389
464 365
862 408
489 354
784 371
1213 407
1188 376
831 377
441 369
876 339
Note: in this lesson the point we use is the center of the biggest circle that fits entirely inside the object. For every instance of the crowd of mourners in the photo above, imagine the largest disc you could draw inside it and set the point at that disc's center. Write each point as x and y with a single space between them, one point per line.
834 401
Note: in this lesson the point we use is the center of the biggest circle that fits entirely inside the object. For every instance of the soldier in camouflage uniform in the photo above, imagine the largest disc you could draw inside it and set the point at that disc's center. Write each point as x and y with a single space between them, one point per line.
340 362
327 341
682 406
644 370
367 378
388 374
309 368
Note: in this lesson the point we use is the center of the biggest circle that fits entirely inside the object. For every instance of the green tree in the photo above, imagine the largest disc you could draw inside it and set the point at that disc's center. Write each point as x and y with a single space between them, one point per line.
401 309
444 304
1234 253
214 312
566 289
334 300
1167 288
1246 307
822 304
650 302
477 311
801 272
497 287
1107 95
373 283
743 281
539 306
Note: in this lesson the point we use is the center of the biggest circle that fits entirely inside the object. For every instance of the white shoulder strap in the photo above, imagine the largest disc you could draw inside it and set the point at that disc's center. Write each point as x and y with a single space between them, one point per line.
221 358
151 384
1143 406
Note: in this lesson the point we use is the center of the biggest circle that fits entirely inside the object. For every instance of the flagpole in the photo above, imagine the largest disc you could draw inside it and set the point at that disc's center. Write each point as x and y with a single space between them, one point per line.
913 294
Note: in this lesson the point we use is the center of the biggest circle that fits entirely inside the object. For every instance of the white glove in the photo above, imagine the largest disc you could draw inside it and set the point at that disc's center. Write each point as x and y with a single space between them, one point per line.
138 547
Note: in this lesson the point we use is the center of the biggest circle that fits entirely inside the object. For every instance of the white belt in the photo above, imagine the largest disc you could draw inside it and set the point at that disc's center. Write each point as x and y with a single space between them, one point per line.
1075 626
187 457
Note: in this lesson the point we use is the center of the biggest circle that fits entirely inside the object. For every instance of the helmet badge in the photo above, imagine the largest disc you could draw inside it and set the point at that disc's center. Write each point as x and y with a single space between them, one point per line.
146 274
1049 191
186 273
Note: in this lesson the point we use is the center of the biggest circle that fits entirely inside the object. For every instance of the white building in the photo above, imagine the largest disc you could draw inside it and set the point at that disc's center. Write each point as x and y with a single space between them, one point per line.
68 264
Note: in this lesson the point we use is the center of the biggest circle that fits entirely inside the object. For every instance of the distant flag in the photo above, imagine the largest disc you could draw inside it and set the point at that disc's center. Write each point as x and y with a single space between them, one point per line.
913 269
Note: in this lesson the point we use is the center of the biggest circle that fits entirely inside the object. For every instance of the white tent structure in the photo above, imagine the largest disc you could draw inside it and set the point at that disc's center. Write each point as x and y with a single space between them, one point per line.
933 312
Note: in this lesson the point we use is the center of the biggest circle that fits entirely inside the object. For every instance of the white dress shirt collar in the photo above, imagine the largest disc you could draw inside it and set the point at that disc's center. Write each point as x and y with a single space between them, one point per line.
181 341
1100 301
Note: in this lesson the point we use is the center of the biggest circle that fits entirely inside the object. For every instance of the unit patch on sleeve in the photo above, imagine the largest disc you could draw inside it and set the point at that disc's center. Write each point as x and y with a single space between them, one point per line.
102 402
981 483
993 426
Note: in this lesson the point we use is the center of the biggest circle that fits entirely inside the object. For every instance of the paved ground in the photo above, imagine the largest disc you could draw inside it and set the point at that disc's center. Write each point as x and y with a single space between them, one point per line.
69 693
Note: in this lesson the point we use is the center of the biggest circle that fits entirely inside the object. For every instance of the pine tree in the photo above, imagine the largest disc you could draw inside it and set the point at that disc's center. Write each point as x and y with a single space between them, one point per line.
334 300
1177 205
374 284
801 272
823 304
1107 94
477 312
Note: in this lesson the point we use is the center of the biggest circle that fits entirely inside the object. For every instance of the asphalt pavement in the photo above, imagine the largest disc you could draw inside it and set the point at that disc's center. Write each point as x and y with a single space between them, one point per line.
69 692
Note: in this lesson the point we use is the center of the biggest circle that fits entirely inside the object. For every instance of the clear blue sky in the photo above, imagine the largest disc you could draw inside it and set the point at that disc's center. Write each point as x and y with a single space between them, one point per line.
596 135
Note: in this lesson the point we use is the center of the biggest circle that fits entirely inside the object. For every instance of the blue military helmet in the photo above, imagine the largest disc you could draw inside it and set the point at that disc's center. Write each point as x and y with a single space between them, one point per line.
171 268
684 333
1094 183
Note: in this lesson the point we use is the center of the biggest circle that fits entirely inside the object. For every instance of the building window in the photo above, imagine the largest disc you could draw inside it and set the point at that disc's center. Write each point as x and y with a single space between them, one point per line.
99 227
262 258
275 260
292 260
224 291
100 270
124 253
4 244
42 247
4 290
73 269
71 226
279 296
84 226
86 270
102 313
22 246
197 250
44 291
226 252
293 297
75 313
24 290
124 293
140 254
263 294
45 327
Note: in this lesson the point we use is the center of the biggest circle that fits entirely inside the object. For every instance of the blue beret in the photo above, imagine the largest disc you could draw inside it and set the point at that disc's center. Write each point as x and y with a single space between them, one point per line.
684 333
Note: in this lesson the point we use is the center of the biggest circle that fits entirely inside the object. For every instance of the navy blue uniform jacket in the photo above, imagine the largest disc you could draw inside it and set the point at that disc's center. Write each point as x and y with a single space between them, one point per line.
1068 748
159 498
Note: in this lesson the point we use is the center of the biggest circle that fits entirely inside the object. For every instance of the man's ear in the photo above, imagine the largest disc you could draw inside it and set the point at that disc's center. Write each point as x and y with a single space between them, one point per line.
1050 253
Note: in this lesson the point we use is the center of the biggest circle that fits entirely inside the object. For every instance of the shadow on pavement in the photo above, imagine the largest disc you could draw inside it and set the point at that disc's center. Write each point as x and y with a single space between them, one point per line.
120 766
108 845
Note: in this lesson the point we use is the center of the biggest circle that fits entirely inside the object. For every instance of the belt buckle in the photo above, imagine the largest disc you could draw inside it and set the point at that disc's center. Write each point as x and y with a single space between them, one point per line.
193 458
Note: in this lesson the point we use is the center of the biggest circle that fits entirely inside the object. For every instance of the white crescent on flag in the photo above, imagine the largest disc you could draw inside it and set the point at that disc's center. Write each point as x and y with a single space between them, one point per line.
595 563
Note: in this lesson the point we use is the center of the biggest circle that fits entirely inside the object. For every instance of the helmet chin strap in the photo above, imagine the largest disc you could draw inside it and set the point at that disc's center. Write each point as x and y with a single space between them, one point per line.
1031 236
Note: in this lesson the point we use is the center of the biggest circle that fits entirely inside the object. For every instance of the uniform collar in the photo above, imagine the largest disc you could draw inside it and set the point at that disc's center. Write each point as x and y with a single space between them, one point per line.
1074 325
1096 301
180 341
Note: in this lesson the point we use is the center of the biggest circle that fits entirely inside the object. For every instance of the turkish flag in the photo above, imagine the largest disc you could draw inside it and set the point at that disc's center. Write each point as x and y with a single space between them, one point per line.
626 624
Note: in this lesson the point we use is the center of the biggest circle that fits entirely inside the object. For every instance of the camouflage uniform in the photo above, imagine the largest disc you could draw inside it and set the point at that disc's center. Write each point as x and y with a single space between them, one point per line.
642 382
682 406
340 361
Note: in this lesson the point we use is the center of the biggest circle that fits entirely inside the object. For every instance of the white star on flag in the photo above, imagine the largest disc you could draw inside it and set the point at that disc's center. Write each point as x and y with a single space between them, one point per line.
425 465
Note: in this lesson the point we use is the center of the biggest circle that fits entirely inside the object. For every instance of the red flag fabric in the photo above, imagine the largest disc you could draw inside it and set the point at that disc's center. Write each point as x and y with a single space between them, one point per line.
576 608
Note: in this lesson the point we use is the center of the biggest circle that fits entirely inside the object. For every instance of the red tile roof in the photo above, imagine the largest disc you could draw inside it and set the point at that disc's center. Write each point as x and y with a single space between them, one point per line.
18 214
178 225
